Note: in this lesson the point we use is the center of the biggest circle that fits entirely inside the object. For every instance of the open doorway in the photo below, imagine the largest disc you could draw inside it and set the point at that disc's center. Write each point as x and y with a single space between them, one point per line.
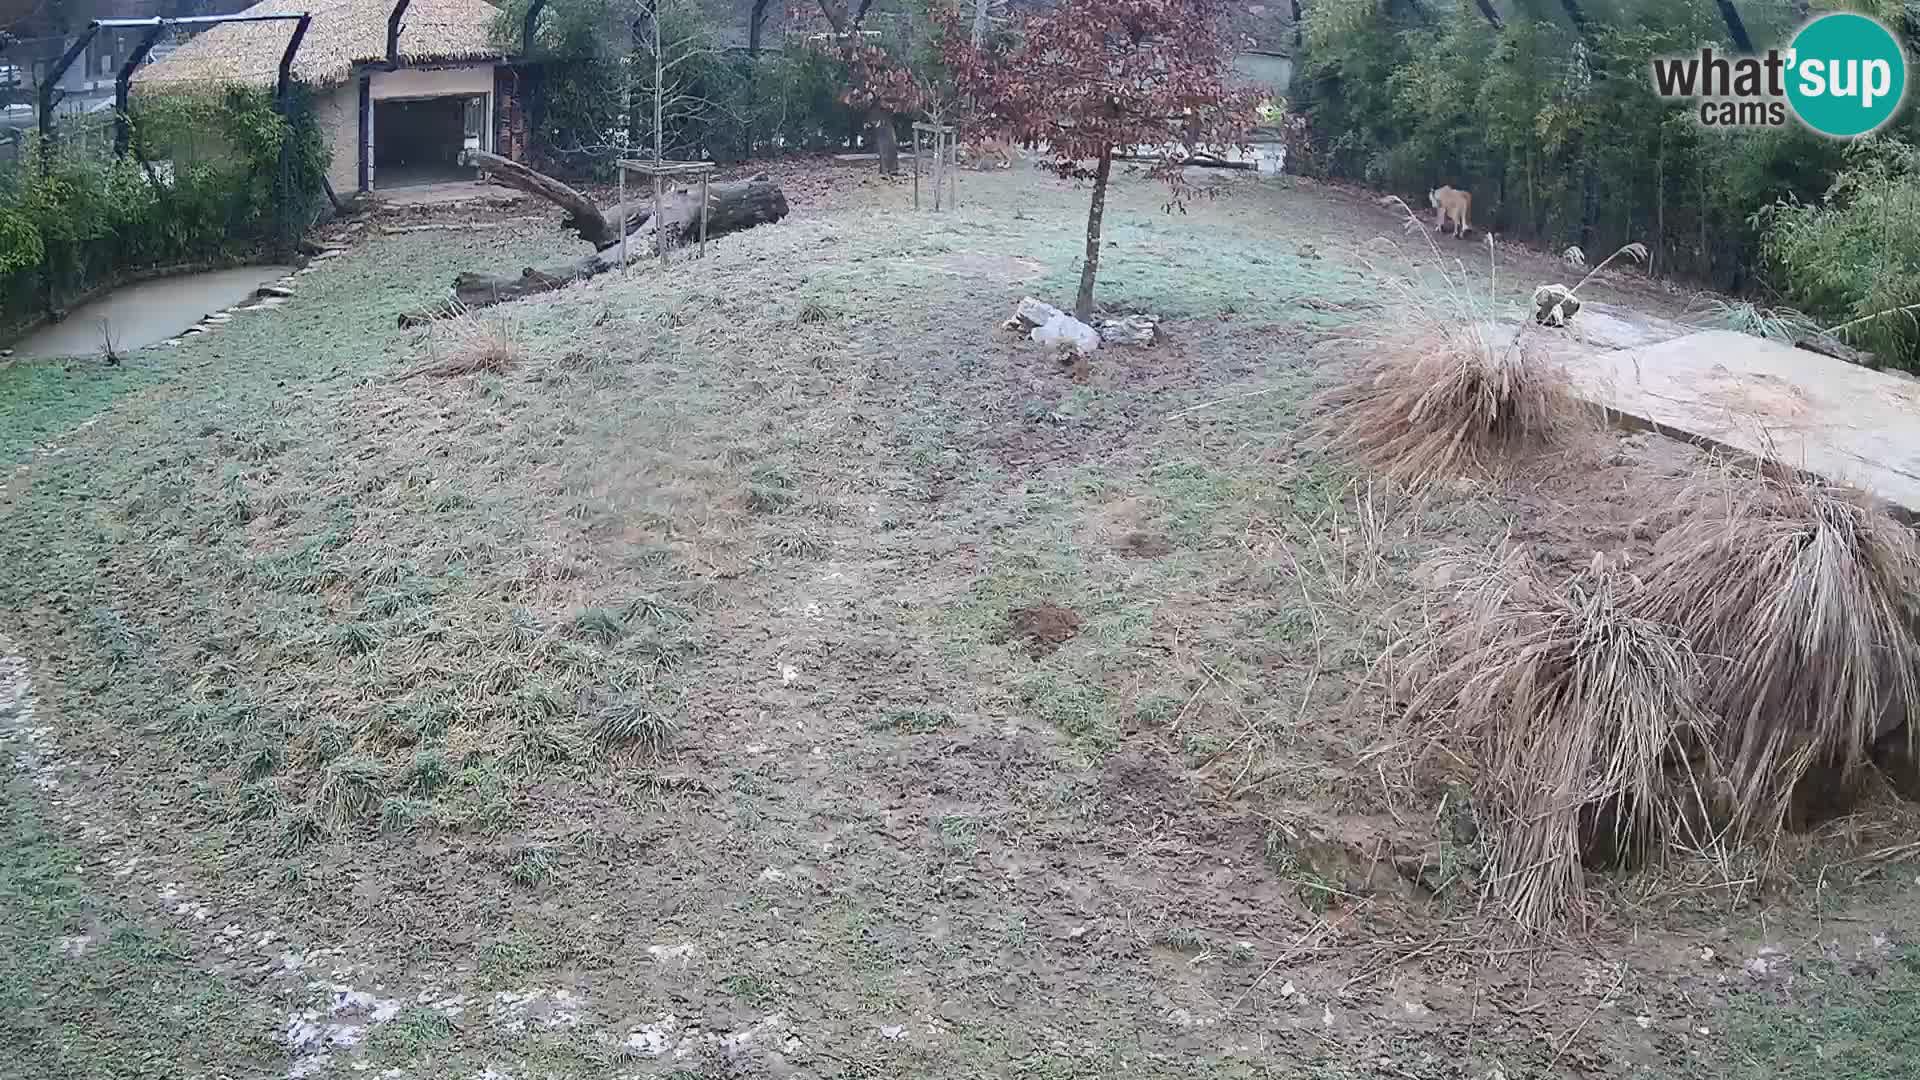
419 140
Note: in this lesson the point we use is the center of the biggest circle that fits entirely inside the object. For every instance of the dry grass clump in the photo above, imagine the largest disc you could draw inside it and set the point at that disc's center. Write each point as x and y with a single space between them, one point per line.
1447 388
1731 688
1581 716
467 343
1445 397
1801 597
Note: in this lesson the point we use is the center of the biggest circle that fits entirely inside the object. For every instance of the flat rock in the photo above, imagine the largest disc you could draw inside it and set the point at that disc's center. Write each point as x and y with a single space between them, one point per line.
1759 398
270 291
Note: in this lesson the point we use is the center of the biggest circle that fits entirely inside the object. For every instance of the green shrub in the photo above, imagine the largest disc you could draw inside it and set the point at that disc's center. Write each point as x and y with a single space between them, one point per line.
1556 131
1853 258
82 218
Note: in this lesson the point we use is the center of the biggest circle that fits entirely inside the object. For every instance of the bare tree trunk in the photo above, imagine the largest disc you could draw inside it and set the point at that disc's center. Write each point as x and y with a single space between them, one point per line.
1736 29
980 8
583 218
1656 261
756 22
1578 17
886 143
1083 304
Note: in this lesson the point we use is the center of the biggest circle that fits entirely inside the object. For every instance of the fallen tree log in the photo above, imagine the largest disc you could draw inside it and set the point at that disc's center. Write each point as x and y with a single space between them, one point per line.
583 218
731 207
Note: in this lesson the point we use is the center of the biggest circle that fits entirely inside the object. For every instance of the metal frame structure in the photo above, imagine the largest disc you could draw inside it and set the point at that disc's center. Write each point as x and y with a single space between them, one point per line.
658 170
122 84
945 146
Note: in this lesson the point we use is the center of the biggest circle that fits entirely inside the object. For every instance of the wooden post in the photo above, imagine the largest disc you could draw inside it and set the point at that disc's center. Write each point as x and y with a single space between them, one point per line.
703 215
953 142
659 227
939 168
916 167
623 215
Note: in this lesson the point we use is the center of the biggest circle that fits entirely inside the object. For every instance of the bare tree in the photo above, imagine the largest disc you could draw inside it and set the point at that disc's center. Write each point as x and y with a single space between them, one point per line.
660 76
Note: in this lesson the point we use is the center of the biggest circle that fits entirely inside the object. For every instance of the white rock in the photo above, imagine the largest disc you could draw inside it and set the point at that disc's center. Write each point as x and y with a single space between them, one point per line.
1031 312
1132 330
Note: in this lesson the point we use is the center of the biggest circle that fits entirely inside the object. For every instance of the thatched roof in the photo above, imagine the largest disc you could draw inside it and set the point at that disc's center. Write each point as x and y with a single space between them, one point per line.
343 33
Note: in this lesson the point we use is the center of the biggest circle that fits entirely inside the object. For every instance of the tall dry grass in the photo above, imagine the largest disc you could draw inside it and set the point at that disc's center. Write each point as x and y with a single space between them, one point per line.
467 342
1801 597
1700 701
1438 398
1444 387
1581 717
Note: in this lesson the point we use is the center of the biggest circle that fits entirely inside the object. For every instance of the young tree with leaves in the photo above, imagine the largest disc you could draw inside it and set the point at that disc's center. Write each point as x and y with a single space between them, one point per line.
879 87
1094 78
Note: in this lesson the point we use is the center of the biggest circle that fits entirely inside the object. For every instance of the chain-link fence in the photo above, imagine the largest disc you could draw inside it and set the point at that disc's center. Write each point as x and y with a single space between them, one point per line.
193 171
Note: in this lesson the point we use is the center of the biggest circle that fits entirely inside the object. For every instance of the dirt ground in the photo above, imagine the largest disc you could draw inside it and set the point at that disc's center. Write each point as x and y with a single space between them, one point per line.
782 670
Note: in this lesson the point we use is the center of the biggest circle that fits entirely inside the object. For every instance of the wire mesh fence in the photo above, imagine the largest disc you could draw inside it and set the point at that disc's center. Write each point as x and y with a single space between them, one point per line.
120 177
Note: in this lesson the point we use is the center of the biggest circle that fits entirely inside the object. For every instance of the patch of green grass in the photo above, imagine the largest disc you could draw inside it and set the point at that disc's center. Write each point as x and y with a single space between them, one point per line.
752 989
531 868
41 400
632 724
600 625
354 639
1199 499
400 815
415 1031
1157 267
959 833
1832 1022
1080 710
300 829
429 771
351 789
85 992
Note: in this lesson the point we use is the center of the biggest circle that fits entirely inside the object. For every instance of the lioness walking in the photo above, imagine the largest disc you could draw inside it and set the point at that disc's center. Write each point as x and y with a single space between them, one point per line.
1451 204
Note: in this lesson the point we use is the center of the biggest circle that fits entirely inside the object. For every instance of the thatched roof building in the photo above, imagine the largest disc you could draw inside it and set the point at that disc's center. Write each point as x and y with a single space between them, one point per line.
388 121
344 33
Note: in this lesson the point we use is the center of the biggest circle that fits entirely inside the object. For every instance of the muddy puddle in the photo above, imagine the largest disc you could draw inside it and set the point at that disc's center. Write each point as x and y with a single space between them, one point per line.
148 311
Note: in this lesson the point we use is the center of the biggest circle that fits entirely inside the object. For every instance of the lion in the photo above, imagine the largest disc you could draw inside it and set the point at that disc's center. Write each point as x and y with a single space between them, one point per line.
998 147
1451 204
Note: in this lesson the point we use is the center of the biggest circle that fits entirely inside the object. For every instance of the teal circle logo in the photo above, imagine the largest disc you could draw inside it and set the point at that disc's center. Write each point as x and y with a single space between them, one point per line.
1847 75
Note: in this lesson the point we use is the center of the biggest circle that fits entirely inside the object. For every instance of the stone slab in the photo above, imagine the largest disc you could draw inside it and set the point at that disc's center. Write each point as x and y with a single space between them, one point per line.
1750 396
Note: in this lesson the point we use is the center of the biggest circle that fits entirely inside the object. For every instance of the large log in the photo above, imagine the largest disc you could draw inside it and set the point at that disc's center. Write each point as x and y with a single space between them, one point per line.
583 217
731 207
